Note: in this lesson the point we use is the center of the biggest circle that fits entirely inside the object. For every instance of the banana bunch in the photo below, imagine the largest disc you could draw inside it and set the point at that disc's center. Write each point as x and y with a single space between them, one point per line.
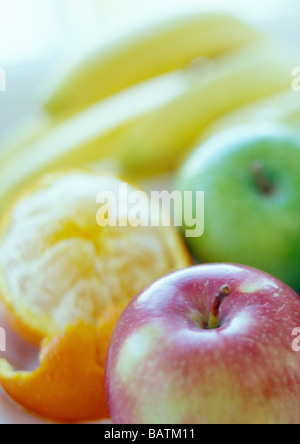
197 70
232 81
157 49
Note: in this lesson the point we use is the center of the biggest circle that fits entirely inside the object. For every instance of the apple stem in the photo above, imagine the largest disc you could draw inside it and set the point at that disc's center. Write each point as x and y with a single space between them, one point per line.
264 185
225 291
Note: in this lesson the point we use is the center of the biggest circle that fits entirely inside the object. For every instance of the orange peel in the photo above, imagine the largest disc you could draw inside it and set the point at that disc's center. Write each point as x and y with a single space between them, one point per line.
69 385
64 278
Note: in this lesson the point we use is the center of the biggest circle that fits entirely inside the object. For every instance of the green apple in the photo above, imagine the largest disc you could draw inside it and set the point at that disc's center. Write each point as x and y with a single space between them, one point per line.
251 179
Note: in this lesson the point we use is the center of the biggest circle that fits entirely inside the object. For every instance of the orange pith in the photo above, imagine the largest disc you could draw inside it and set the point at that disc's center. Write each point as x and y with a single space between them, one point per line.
64 278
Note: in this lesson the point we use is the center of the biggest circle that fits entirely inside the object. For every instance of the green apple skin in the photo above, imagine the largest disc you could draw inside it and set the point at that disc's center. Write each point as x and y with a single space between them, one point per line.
243 224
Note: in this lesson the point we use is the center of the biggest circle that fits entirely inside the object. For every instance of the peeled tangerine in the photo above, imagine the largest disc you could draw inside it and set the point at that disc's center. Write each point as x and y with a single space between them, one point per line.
65 278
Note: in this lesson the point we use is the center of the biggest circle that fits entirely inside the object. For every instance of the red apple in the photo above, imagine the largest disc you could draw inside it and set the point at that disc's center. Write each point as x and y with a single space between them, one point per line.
211 344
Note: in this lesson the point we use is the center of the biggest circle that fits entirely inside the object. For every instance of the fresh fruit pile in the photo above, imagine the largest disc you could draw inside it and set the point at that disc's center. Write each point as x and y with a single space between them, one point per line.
60 269
148 127
193 346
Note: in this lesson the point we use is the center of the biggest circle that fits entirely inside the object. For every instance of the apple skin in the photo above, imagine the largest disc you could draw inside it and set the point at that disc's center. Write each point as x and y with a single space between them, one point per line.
165 367
242 224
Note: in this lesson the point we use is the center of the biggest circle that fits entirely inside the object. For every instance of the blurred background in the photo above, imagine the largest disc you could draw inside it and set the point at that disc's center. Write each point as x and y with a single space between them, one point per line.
35 35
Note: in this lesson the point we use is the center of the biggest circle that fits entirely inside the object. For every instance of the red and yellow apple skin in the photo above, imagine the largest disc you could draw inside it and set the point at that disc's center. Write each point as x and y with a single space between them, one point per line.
165 367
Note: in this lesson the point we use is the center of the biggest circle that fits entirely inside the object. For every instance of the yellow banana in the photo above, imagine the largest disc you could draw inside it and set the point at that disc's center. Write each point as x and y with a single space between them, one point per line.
234 81
149 127
157 49
96 133
282 108
24 134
